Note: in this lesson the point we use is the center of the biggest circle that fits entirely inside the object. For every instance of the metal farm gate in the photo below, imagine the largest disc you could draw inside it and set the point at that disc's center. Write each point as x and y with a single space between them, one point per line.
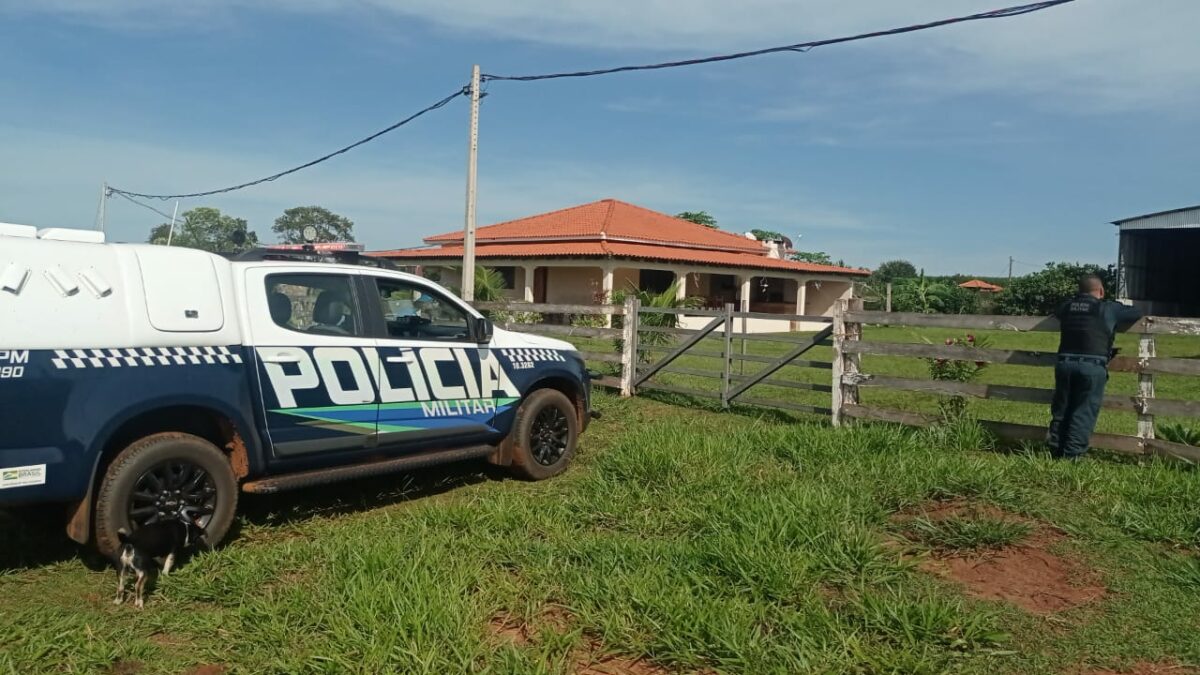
721 352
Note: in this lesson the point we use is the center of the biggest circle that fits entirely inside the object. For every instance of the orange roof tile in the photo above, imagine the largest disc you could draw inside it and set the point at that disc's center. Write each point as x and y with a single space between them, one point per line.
981 285
606 220
619 250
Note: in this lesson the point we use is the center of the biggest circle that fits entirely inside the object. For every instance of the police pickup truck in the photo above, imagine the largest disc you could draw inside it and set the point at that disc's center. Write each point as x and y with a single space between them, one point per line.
143 382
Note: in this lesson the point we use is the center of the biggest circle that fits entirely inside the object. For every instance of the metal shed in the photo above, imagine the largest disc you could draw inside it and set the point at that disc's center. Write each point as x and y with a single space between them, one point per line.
1157 264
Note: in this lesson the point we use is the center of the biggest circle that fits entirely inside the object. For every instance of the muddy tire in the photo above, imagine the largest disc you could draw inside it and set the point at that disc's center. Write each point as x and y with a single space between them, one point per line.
157 477
544 435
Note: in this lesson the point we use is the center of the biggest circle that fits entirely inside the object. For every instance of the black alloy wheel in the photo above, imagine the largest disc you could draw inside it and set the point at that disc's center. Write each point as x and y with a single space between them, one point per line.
173 490
161 477
544 434
549 436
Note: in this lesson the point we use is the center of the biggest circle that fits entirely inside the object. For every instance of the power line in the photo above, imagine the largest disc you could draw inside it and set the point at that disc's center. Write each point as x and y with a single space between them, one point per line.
123 195
798 47
281 174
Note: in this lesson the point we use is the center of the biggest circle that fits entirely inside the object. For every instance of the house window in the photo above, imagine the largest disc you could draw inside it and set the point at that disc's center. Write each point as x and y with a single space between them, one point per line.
655 281
509 274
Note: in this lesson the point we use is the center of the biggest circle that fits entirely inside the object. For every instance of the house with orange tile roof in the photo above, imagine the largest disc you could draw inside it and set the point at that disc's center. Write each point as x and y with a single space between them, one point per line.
581 254
981 286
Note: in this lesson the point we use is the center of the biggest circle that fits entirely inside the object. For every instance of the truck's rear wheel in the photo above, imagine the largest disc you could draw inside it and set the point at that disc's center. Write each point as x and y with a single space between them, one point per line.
544 435
166 475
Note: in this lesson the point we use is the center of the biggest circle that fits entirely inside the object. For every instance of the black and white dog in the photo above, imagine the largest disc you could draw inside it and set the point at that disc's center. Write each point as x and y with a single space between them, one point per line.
141 549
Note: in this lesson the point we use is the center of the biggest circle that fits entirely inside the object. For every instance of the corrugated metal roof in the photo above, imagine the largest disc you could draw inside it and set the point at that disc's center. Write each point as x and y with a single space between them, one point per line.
1163 220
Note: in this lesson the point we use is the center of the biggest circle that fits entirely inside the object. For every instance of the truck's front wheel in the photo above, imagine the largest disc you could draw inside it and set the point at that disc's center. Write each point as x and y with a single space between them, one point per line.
544 435
164 476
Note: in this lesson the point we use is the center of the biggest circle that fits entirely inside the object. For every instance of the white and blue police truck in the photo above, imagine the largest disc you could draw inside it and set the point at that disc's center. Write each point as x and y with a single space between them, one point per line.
143 382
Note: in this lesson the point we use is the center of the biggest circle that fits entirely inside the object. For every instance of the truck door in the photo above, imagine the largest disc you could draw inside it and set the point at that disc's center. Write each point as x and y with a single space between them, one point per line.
436 385
311 345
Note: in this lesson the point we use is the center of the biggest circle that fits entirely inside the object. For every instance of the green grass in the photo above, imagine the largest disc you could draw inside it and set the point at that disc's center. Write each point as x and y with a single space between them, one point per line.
958 533
738 543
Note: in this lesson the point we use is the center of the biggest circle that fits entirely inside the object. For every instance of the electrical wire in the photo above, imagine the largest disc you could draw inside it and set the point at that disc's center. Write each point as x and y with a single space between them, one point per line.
485 78
441 103
123 195
799 47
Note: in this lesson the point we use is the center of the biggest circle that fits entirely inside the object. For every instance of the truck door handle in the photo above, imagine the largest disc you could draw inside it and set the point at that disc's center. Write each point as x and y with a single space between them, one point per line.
405 358
281 357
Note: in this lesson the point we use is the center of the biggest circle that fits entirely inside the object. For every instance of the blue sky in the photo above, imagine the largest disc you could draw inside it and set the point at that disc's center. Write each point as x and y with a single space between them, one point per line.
954 148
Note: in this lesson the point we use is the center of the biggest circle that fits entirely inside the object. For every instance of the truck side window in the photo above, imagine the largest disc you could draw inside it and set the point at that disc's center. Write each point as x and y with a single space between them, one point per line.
320 304
414 312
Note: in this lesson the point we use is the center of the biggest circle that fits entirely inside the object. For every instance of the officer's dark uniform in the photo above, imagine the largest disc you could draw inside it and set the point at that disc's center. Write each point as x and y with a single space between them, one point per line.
1088 328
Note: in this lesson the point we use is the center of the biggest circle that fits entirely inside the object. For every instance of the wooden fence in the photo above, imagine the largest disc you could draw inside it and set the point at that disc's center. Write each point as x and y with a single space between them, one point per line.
850 346
642 359
624 345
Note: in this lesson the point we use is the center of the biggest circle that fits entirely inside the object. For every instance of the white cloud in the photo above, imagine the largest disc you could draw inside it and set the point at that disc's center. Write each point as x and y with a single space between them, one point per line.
1107 54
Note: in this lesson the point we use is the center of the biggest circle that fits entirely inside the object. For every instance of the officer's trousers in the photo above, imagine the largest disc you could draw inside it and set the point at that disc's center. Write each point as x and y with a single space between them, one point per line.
1078 394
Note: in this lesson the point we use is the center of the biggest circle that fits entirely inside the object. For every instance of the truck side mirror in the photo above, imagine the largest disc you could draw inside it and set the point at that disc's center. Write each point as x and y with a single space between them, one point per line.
481 330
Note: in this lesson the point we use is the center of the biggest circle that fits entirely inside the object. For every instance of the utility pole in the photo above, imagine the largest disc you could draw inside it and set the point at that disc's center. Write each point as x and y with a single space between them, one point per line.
100 209
174 214
1010 262
468 271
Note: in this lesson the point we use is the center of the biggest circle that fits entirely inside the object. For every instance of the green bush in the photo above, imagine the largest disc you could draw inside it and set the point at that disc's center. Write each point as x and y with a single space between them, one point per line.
1042 292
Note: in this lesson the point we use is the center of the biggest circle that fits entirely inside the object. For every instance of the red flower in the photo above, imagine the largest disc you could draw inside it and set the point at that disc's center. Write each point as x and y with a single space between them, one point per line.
970 338
949 341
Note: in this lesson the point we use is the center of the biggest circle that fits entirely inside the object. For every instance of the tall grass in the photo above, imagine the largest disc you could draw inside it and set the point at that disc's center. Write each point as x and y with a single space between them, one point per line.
694 540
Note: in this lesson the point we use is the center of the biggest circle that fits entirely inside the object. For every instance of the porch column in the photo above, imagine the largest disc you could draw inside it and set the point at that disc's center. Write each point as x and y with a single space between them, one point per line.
606 286
681 285
801 295
529 274
745 294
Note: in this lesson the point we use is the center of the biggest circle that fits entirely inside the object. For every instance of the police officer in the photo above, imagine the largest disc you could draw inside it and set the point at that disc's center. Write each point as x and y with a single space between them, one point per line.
1085 347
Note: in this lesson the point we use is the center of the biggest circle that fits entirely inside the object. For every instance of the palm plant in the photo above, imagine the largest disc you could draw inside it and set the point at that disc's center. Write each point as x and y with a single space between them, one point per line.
489 285
667 299
922 295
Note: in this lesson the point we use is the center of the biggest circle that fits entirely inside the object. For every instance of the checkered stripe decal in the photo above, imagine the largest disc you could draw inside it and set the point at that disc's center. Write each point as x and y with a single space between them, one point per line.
533 355
66 359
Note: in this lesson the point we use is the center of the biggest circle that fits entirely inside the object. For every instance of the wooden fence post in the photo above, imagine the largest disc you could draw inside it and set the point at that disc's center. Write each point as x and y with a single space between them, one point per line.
844 364
727 372
629 346
1146 350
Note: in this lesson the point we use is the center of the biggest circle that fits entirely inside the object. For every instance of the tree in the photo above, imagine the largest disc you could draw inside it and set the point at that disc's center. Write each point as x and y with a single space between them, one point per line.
767 235
893 270
206 228
816 257
1040 293
329 225
698 217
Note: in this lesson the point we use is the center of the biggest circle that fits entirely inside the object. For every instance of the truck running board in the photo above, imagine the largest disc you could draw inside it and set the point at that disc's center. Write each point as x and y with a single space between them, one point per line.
303 479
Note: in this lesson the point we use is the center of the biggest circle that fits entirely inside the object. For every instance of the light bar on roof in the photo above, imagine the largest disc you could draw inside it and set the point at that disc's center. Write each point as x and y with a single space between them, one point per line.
323 247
